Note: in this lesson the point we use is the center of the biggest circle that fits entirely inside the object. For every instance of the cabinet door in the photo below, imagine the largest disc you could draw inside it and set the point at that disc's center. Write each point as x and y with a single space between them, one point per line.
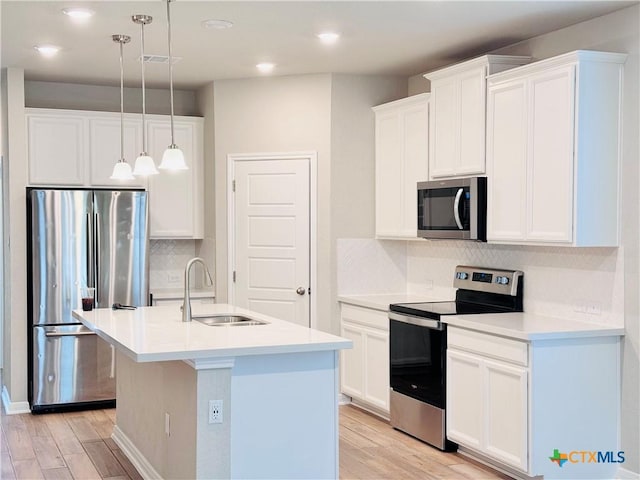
464 398
176 198
415 133
389 177
376 368
505 413
444 128
105 150
472 106
57 148
550 169
352 362
506 161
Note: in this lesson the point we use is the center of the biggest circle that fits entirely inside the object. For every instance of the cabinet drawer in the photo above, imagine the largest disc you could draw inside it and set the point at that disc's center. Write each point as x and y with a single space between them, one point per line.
490 345
365 316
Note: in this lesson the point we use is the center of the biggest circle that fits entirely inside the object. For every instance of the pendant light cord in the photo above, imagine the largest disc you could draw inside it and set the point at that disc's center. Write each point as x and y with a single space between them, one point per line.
121 104
144 136
170 66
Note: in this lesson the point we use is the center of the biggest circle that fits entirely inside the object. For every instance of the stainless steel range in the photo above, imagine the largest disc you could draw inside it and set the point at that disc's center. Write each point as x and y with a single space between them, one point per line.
418 344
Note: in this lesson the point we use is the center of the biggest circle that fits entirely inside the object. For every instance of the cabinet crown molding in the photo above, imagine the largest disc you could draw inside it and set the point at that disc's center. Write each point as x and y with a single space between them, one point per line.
485 60
574 57
402 101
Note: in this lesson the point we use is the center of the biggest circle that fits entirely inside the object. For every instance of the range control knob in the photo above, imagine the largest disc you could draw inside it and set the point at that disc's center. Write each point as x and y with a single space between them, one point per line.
462 275
502 280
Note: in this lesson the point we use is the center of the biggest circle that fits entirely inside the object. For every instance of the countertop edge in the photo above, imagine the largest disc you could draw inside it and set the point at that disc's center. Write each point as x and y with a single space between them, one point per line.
586 332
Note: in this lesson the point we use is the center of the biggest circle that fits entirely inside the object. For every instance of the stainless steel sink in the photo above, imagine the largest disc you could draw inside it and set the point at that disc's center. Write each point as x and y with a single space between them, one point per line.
228 320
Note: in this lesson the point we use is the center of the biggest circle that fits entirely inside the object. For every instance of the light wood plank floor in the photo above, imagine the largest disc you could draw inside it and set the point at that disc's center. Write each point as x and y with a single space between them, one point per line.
78 446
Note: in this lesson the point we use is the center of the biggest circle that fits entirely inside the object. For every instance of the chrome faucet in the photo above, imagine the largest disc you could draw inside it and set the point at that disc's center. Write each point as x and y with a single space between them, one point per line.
186 305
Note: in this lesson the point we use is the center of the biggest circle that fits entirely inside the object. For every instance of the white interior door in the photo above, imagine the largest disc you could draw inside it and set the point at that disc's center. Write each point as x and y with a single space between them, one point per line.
272 238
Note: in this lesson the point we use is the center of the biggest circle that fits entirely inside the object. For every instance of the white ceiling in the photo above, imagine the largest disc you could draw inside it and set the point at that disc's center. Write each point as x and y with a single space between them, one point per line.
378 37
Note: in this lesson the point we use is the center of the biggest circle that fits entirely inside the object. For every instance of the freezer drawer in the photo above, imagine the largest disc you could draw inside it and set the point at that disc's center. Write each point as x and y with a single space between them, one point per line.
71 364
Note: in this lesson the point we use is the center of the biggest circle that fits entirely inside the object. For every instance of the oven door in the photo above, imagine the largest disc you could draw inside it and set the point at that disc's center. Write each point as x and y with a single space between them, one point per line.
417 351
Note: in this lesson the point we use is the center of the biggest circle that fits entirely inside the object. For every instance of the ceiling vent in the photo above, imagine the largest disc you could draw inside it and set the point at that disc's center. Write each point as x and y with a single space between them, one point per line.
164 59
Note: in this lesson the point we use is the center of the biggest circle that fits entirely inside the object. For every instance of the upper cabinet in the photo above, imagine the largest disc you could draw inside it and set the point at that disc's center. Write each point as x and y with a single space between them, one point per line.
457 124
553 151
76 148
69 148
402 152
176 198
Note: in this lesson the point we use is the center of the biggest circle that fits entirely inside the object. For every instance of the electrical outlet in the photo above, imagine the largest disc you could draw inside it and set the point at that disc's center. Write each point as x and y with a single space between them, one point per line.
167 425
215 411
173 278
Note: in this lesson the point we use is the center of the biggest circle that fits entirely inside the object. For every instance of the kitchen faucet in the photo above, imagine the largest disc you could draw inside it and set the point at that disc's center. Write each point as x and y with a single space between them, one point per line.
186 305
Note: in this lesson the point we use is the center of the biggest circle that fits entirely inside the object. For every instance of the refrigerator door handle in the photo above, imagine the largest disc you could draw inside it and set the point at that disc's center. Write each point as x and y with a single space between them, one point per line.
68 334
97 255
90 273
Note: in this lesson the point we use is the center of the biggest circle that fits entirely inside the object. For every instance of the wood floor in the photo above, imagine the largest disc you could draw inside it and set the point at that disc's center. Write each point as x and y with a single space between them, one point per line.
78 446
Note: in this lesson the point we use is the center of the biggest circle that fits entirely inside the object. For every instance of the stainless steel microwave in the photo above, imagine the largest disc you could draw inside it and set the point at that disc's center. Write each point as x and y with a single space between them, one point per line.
453 209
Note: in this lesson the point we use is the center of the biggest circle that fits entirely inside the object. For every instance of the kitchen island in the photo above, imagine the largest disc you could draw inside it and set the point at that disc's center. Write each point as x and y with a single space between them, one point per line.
199 401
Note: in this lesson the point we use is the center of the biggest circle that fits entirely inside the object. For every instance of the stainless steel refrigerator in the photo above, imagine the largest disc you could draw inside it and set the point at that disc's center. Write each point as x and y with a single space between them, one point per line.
80 238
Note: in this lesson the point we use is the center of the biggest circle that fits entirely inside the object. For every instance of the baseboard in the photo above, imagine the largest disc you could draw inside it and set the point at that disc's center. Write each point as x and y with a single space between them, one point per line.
343 399
624 474
145 469
13 408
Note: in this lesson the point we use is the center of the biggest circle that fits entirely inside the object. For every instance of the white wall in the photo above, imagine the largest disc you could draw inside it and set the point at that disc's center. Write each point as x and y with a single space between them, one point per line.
609 277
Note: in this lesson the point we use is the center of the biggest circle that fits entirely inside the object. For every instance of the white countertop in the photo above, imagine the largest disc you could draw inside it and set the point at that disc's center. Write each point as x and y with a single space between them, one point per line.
382 301
151 334
530 327
178 293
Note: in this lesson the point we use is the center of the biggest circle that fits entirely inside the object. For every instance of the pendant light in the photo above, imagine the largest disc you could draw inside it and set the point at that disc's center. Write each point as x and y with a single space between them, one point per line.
121 170
173 158
144 163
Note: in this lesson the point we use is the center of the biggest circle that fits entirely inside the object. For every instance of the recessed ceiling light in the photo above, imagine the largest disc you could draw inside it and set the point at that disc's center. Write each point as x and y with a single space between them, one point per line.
265 67
328 37
47 50
78 13
216 24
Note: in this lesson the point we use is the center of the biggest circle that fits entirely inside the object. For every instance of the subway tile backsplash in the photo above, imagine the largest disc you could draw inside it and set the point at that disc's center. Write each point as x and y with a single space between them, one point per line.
584 284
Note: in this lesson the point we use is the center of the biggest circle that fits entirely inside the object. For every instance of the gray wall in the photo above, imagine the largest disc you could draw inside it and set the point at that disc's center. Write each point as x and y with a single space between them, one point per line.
616 32
99 98
329 114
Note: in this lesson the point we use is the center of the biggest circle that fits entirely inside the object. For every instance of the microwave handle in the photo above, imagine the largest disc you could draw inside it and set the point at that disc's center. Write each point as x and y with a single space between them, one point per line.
456 207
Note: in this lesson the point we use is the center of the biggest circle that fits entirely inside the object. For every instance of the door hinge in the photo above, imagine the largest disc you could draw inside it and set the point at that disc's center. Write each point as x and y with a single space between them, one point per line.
234 276
309 290
233 185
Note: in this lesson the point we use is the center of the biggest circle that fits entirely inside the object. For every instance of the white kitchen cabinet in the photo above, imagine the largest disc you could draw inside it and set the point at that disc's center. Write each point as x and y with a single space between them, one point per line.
553 151
364 369
176 198
511 402
57 148
402 150
458 108
487 396
104 148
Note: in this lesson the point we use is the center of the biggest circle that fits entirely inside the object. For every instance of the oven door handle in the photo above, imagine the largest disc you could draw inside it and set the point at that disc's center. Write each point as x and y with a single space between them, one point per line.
418 321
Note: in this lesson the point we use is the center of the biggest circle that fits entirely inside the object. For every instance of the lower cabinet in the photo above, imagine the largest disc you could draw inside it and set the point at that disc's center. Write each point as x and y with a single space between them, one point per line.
364 369
513 403
487 406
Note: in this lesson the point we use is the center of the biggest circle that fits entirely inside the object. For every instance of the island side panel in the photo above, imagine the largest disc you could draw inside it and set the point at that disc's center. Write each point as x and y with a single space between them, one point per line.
285 411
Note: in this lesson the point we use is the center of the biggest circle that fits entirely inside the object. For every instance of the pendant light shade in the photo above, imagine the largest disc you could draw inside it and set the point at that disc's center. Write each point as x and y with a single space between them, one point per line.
173 158
145 165
121 170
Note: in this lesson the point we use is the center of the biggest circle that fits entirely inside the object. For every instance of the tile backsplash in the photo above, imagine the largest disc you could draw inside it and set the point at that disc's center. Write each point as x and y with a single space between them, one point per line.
584 284
167 259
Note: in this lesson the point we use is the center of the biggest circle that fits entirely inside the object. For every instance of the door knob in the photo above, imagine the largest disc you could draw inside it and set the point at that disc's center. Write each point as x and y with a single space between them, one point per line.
301 290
